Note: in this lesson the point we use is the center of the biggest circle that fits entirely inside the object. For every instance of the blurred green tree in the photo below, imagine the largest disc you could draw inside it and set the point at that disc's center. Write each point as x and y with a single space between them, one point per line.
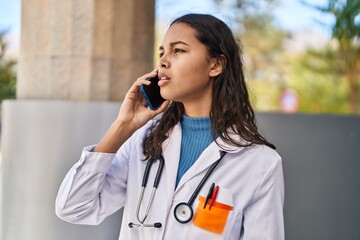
7 72
263 49
317 78
346 30
326 80
264 57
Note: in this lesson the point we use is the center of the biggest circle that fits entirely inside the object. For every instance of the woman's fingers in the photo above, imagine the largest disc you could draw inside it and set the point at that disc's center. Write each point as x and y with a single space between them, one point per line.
135 102
142 81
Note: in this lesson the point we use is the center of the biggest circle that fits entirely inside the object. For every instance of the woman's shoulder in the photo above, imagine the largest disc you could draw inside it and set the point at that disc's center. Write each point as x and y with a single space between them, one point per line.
137 138
146 128
262 149
264 155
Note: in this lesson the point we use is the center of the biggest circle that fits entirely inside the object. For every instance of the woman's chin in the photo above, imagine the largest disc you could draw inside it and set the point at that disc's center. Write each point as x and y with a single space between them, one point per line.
166 95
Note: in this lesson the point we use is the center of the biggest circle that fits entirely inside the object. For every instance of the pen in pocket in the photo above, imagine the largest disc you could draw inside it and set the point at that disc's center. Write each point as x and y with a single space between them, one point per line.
209 194
213 197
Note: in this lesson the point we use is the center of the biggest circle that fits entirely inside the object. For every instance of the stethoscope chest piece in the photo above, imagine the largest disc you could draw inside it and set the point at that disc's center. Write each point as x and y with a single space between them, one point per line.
183 212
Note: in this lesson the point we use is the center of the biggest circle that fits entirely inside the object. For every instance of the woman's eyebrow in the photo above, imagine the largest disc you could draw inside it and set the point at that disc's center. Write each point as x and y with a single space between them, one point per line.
172 44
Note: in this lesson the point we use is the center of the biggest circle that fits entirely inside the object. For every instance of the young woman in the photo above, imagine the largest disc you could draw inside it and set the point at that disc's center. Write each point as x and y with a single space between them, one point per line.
220 180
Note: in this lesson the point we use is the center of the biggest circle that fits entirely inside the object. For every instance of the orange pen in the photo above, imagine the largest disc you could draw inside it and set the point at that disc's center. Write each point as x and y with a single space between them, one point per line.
213 197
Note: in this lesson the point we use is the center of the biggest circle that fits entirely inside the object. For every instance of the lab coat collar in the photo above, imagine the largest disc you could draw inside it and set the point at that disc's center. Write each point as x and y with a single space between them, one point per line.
171 152
210 155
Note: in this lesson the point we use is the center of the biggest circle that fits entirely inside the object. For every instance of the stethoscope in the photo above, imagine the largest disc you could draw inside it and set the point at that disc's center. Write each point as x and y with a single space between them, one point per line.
143 186
183 211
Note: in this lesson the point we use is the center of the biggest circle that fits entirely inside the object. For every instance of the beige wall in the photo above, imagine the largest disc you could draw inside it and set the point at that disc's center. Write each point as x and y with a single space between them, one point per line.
84 50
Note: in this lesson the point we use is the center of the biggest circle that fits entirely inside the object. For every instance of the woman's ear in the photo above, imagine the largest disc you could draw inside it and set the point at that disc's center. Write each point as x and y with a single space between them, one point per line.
218 65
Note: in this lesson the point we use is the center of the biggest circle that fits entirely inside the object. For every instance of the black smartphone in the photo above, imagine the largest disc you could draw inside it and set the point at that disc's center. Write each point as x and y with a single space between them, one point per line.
151 93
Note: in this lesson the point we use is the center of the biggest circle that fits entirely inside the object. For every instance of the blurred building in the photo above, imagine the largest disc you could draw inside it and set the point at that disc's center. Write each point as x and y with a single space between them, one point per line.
77 60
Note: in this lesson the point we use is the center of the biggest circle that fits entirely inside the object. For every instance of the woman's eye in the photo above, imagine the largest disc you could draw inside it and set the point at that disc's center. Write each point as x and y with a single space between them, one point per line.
177 50
161 54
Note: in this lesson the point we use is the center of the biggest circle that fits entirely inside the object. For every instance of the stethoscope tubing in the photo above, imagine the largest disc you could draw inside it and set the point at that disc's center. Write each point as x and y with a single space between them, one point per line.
158 174
183 211
204 179
161 160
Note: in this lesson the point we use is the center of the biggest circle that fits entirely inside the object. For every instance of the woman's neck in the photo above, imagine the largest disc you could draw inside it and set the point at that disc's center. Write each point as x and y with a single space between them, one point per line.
197 109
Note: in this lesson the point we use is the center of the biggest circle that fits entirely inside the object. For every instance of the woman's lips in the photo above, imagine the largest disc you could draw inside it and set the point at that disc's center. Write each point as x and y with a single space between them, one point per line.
163 80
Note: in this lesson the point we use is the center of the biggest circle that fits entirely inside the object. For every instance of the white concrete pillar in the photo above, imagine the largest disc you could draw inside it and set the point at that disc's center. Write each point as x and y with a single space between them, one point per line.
84 49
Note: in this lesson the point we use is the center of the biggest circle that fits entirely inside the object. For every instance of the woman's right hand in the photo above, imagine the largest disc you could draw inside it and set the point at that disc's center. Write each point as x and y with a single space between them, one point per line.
133 114
134 110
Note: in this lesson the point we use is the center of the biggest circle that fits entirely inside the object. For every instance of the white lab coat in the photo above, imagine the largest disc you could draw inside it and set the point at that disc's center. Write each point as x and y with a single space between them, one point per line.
250 179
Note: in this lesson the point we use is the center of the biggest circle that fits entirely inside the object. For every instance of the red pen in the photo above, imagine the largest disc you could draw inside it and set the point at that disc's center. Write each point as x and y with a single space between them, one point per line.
213 197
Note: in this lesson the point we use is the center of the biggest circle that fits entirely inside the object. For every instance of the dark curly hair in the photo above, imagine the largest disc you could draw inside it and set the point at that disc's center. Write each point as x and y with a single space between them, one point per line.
230 106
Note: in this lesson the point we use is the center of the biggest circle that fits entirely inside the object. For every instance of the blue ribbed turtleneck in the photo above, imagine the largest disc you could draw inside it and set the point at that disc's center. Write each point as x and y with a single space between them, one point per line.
196 136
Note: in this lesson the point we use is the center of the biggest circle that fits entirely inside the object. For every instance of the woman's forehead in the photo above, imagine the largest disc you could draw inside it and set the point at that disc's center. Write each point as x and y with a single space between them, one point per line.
180 32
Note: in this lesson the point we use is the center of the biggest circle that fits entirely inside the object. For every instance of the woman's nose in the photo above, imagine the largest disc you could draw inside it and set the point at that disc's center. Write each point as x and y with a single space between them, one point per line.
163 63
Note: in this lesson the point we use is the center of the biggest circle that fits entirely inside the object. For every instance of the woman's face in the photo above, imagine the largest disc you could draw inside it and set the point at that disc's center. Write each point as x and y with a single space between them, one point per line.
184 67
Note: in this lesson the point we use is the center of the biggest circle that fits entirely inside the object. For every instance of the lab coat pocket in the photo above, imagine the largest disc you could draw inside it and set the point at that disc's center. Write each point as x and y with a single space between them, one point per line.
213 217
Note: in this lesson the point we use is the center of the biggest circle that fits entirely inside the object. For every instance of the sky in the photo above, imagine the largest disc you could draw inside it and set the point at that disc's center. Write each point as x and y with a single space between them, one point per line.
290 15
